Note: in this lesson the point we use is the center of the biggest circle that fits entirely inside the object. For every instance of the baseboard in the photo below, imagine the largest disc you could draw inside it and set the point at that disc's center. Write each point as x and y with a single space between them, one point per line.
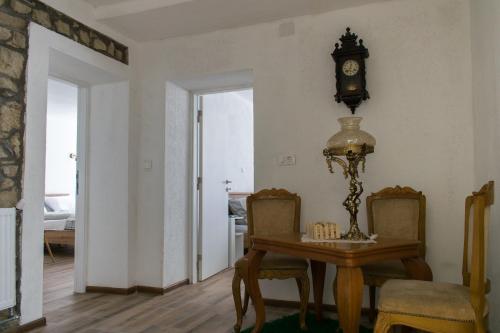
140 289
29 326
176 286
109 290
295 304
150 290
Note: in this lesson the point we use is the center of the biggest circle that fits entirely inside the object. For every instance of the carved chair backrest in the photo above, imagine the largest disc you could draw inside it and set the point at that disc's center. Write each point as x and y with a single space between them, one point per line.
273 212
397 212
477 218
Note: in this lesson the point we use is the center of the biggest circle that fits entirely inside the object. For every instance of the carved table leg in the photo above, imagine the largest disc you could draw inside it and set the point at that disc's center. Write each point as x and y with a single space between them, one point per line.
252 276
318 270
418 269
349 297
335 298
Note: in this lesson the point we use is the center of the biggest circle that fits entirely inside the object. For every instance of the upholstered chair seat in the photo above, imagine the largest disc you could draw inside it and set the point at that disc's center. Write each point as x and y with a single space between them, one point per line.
444 301
274 261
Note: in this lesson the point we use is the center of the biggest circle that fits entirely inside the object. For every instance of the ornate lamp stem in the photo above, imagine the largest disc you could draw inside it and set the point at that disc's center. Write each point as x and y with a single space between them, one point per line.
352 201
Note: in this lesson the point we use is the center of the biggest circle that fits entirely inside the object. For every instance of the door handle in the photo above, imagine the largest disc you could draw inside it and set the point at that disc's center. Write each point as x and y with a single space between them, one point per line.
227 182
228 189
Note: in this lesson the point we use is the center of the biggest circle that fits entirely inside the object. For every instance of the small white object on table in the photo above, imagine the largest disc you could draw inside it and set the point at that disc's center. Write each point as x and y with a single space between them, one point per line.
307 239
325 232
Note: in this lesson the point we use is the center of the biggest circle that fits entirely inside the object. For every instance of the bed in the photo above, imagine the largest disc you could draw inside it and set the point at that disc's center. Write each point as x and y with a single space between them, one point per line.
59 221
238 208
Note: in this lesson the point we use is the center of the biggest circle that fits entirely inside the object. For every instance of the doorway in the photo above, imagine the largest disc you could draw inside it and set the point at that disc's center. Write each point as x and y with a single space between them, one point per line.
101 236
63 167
225 176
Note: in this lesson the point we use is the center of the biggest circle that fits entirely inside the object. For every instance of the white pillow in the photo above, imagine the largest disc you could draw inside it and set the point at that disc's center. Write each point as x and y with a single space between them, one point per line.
61 215
55 204
243 202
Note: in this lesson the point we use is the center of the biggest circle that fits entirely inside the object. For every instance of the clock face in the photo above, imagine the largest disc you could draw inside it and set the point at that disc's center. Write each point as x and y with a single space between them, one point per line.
350 67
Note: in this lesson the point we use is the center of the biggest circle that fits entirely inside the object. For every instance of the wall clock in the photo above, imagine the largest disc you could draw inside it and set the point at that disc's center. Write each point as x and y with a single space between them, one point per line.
350 70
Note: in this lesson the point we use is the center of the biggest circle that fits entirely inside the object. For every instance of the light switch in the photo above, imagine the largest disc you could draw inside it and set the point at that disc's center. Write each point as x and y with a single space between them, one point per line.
148 164
287 160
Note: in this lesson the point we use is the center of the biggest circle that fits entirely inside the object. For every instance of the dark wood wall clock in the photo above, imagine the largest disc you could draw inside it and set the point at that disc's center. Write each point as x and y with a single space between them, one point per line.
350 70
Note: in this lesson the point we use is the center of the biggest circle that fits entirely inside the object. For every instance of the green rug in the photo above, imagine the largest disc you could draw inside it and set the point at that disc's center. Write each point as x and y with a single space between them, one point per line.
290 324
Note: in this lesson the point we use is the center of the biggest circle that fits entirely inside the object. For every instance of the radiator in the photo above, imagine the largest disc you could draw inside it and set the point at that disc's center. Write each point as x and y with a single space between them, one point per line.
7 258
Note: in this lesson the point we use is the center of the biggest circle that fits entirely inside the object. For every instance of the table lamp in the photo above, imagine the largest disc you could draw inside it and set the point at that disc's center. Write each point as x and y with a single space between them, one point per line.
354 144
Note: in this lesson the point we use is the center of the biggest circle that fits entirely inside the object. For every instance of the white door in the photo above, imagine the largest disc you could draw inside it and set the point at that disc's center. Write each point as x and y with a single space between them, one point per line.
214 226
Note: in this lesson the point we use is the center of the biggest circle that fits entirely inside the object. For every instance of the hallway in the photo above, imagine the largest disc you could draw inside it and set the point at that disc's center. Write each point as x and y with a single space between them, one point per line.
205 307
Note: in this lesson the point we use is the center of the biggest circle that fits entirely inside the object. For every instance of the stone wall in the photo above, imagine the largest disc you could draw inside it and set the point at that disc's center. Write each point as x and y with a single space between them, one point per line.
15 16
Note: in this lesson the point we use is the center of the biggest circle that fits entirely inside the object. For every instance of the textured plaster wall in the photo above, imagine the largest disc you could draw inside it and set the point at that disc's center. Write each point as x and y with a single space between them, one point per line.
419 77
485 23
177 173
108 187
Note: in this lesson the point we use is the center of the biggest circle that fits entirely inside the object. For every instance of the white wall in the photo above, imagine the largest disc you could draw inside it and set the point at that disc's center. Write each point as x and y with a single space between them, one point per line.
177 182
418 77
237 107
485 22
108 187
62 114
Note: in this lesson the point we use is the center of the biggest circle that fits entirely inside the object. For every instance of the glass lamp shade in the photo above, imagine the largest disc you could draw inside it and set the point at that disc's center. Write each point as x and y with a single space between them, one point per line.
350 138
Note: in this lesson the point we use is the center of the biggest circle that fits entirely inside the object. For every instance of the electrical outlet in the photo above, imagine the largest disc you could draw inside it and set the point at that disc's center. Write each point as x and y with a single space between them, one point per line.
287 160
148 164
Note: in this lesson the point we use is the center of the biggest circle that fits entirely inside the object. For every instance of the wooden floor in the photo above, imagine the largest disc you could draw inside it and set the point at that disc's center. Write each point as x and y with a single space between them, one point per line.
205 307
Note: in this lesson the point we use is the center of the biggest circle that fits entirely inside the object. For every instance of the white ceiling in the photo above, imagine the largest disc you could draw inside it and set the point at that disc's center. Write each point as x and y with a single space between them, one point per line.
97 3
145 20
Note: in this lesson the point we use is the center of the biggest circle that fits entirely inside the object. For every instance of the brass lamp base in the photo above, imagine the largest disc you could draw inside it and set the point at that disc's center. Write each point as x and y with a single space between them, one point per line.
350 169
354 234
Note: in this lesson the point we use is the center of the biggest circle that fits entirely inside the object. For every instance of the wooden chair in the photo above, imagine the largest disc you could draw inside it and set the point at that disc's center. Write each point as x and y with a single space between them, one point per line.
394 212
467 253
273 212
445 307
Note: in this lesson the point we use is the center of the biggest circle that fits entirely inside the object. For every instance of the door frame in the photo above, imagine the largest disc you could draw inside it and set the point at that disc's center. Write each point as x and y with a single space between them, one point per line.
50 55
196 171
81 198
81 205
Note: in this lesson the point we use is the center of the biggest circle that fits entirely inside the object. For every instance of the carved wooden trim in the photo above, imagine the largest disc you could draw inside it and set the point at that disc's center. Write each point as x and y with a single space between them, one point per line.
488 190
398 191
383 324
387 320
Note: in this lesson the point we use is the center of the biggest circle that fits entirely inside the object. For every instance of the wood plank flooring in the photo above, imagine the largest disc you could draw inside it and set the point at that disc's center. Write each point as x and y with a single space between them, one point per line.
205 307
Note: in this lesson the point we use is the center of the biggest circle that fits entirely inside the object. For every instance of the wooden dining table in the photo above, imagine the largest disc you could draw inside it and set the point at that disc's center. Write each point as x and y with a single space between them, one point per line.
348 257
